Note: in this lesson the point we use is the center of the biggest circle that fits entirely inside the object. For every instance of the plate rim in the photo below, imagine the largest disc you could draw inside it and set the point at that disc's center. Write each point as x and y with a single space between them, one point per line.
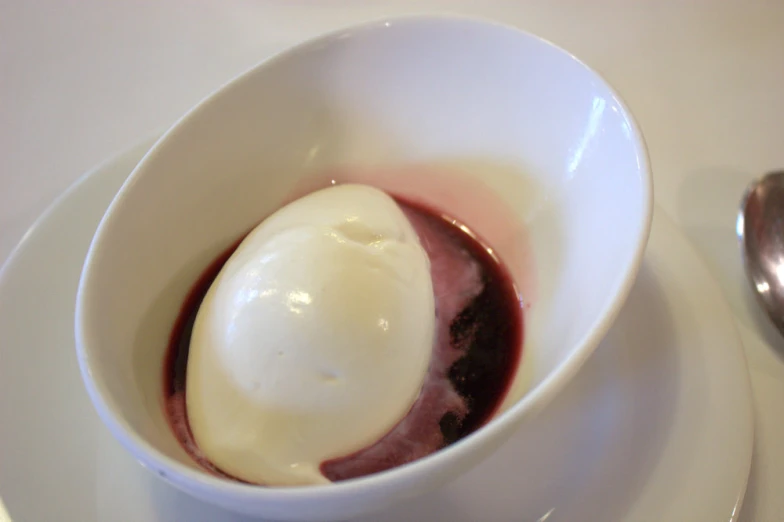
108 162
141 146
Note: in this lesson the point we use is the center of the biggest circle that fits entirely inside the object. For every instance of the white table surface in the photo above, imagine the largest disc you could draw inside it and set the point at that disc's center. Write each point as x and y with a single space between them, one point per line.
83 79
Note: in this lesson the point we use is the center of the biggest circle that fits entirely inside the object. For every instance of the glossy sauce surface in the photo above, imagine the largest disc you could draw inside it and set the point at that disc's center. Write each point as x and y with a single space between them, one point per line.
477 349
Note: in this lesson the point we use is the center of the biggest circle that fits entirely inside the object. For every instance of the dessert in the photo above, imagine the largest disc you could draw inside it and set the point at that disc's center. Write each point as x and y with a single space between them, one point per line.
347 334
314 339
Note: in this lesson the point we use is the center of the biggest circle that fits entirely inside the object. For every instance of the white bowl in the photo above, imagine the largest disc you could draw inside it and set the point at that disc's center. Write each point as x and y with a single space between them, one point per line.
509 133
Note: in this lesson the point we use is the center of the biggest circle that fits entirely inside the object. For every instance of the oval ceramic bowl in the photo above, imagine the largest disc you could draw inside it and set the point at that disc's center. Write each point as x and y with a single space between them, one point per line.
508 133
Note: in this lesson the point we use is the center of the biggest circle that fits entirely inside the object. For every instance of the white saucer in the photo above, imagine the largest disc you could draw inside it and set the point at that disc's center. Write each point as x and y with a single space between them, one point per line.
658 426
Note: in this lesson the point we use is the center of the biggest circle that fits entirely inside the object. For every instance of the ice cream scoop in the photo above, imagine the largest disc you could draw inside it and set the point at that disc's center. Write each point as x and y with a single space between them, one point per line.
314 339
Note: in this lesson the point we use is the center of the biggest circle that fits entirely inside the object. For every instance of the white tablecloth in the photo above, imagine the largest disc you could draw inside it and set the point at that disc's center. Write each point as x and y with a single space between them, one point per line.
82 79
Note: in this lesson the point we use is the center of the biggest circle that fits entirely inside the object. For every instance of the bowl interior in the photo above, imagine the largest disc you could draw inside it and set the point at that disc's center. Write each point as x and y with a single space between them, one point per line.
498 128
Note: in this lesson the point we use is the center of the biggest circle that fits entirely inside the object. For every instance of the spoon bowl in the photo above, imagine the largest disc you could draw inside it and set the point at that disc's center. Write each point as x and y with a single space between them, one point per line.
760 229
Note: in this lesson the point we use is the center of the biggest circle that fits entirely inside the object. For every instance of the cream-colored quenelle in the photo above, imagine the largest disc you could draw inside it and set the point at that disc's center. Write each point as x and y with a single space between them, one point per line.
314 339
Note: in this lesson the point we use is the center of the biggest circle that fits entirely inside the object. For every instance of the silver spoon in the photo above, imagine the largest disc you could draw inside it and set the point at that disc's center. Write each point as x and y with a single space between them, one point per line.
760 229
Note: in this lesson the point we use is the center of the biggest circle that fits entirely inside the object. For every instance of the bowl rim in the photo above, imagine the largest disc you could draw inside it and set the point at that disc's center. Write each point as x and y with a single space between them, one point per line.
188 478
